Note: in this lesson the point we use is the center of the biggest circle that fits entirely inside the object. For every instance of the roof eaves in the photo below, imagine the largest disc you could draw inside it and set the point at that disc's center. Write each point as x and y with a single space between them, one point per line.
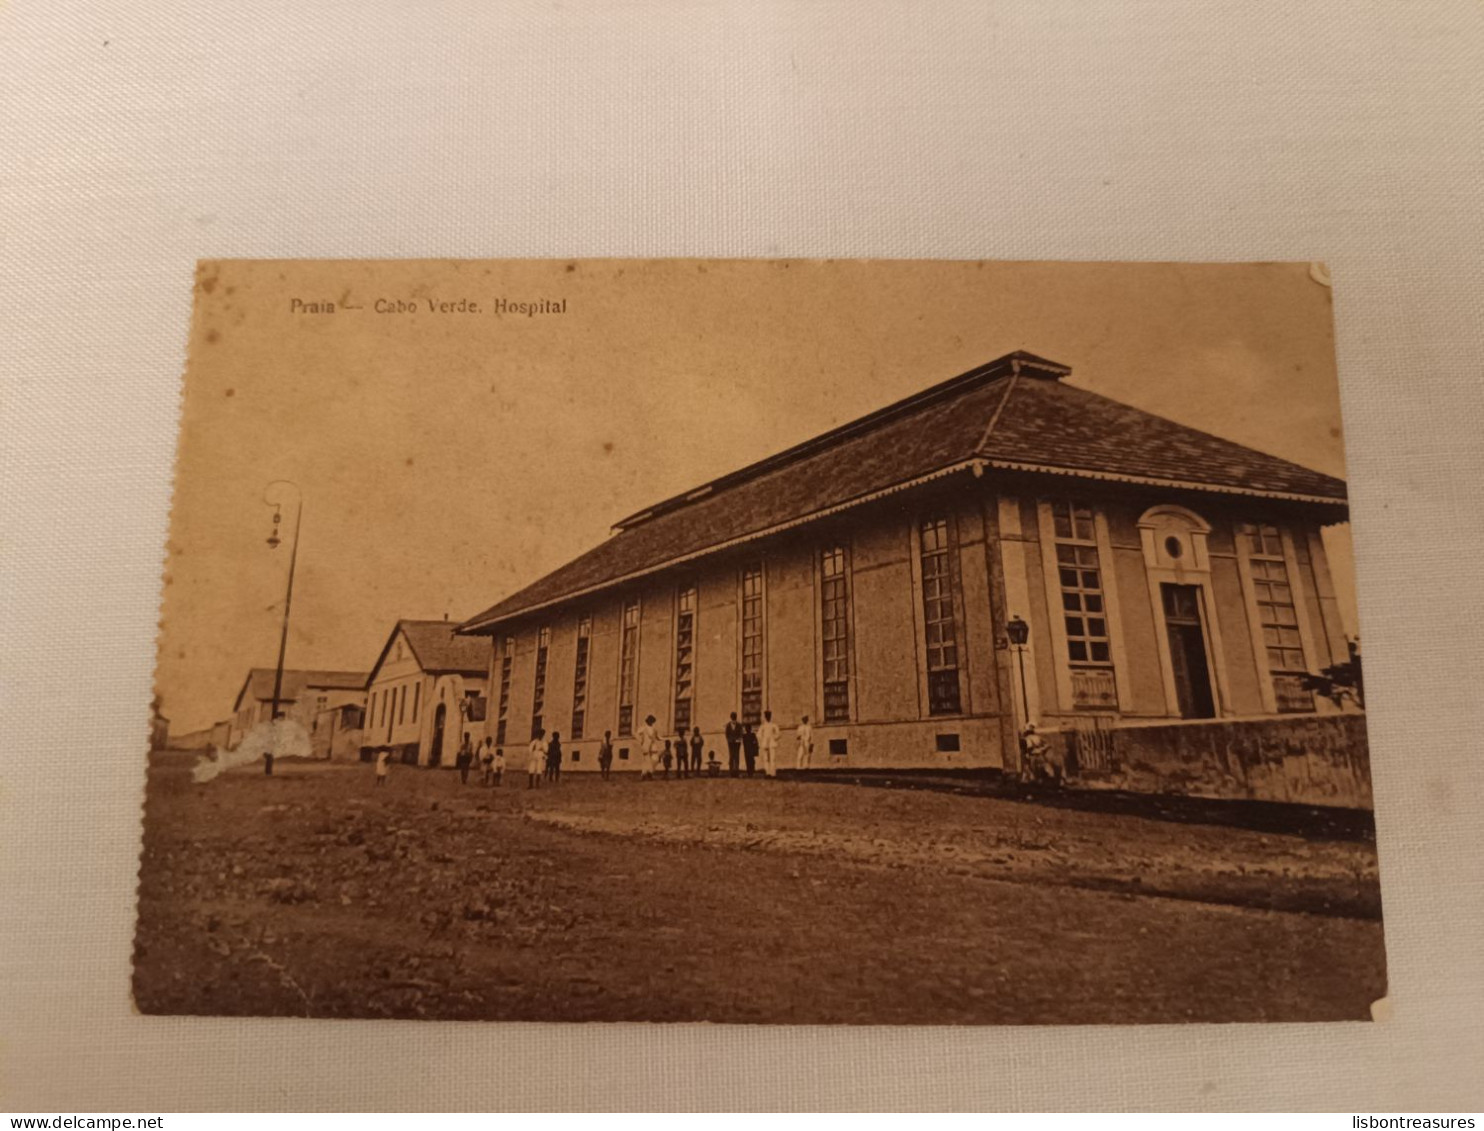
484 625
478 625
242 692
1158 481
385 648
411 639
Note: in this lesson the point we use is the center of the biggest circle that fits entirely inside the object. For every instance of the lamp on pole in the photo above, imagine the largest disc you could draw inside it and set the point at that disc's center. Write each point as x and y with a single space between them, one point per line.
274 541
1019 632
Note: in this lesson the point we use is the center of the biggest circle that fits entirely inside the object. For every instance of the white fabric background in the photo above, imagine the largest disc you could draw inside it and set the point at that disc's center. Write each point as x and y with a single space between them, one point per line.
136 137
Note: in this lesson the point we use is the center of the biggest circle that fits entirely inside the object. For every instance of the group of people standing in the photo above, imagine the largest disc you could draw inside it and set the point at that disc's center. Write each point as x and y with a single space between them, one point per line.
747 748
545 761
489 757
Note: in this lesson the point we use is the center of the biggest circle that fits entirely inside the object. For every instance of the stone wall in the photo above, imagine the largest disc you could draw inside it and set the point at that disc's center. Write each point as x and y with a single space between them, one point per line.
1307 760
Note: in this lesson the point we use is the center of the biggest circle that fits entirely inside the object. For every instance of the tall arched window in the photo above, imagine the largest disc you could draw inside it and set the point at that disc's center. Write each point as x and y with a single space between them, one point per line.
628 666
507 661
834 618
1277 615
752 644
685 656
538 686
939 621
579 676
1083 606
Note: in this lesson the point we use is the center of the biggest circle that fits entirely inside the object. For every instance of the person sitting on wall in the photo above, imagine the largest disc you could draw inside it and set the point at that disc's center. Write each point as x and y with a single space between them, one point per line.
1036 762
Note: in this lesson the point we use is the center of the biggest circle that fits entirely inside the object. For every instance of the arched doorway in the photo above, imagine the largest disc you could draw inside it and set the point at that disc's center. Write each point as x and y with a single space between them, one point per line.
435 751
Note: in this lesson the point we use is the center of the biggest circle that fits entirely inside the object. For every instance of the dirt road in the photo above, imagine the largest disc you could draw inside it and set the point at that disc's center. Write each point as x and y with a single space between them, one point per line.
313 893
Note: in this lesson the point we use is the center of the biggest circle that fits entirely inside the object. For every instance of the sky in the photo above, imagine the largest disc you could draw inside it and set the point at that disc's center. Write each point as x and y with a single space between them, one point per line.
446 458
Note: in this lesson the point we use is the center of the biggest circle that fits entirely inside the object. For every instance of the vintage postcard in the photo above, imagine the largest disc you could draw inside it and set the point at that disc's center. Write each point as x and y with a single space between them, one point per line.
799 642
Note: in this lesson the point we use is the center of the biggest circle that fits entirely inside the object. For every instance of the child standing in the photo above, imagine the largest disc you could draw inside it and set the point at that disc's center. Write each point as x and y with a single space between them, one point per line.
383 766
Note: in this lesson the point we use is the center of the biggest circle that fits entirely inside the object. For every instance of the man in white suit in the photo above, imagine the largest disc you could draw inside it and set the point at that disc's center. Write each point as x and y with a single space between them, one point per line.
649 747
805 752
767 740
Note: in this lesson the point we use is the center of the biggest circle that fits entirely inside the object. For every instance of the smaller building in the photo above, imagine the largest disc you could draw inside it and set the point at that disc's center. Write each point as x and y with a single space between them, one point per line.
336 733
214 737
303 695
426 691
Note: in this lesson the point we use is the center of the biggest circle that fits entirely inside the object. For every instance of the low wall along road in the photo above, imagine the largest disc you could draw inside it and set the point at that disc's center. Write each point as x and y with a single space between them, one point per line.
1308 760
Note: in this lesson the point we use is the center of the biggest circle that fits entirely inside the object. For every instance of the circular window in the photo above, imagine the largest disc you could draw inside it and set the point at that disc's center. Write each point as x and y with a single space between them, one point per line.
1174 547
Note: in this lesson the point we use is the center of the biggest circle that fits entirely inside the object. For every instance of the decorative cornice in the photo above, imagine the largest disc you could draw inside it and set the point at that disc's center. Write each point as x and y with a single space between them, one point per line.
482 625
1156 481
473 627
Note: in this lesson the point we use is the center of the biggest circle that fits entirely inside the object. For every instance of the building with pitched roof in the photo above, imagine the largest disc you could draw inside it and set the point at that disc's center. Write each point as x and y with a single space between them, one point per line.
426 691
877 577
304 695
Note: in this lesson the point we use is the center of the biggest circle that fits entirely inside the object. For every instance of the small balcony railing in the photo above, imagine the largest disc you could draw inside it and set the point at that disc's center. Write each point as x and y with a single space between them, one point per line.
1291 694
1093 689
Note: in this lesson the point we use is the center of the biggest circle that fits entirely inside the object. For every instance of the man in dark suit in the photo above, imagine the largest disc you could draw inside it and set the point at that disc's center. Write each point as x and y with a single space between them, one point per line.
734 744
749 747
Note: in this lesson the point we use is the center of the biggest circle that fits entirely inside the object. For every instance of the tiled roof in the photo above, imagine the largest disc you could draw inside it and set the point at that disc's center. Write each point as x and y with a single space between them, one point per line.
436 649
439 650
1050 424
259 683
1014 412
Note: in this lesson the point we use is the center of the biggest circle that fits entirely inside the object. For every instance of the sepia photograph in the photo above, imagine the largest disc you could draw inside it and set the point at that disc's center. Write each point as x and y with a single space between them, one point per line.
793 642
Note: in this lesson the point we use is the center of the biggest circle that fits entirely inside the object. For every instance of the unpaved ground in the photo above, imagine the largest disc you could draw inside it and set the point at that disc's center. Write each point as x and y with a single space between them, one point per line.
312 893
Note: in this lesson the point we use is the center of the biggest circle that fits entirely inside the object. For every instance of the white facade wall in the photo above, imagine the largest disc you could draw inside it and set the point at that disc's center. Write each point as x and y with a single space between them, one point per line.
1000 535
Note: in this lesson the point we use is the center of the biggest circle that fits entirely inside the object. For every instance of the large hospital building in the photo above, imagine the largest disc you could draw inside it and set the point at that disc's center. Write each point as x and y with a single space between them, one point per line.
881 578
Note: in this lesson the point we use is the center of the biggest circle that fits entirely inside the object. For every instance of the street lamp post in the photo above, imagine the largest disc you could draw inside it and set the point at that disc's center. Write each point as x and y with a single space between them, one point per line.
274 542
1019 632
